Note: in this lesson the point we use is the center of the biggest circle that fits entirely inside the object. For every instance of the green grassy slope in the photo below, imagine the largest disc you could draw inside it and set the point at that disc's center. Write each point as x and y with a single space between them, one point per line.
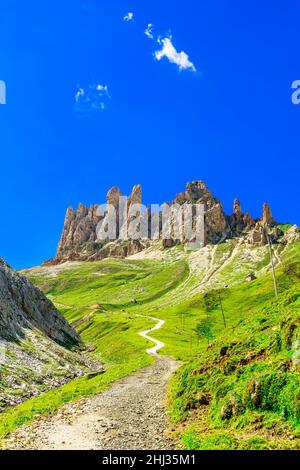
242 389
93 297
209 396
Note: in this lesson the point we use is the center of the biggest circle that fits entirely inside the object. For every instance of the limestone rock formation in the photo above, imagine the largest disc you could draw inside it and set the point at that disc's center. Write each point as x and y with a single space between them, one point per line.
216 224
239 222
292 234
79 228
267 218
23 306
136 195
260 229
79 239
248 221
237 210
36 342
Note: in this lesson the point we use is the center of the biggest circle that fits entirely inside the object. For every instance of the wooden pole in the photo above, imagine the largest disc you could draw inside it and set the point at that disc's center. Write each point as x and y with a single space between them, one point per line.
223 315
272 263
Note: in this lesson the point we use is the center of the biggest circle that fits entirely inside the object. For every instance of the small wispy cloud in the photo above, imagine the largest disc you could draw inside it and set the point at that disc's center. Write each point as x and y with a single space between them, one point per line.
149 31
79 94
168 50
94 97
129 16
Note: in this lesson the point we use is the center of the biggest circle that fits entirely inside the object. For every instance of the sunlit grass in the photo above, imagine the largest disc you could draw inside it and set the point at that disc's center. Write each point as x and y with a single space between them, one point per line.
103 301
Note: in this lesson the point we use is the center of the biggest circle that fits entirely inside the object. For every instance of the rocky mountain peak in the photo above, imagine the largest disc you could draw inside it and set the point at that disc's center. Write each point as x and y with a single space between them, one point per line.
70 214
79 237
136 195
197 190
267 218
237 209
248 220
81 211
113 196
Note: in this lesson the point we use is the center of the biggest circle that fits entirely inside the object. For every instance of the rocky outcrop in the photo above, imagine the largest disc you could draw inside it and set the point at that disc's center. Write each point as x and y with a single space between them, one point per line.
136 195
79 228
240 223
37 350
248 221
292 235
267 218
79 239
259 231
23 306
217 227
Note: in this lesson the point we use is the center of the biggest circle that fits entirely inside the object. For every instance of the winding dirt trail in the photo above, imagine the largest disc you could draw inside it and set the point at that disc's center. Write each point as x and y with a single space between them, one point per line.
158 344
130 415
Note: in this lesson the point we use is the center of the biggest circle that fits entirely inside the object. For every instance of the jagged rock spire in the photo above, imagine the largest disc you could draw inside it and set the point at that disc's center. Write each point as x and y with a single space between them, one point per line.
81 211
248 220
237 209
136 195
216 224
113 196
267 218
198 190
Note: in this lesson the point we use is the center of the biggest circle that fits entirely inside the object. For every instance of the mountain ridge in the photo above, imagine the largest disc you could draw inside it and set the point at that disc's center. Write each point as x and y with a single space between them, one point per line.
79 236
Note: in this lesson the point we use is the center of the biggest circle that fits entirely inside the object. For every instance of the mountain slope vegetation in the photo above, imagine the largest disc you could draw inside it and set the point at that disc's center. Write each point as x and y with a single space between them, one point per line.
238 344
241 391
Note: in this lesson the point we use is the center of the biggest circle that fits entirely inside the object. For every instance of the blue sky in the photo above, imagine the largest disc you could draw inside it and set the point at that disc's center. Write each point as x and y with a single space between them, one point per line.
231 122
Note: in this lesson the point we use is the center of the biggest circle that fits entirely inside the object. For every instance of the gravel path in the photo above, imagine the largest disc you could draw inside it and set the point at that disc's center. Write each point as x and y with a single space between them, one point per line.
130 415
158 344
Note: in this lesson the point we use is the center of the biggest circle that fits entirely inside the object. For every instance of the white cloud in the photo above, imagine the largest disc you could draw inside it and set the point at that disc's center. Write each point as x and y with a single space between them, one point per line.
94 97
79 94
179 58
148 31
129 16
101 88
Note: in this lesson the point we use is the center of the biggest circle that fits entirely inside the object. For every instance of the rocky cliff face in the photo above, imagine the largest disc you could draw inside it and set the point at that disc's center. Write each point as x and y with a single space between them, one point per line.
79 237
216 224
23 306
36 342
